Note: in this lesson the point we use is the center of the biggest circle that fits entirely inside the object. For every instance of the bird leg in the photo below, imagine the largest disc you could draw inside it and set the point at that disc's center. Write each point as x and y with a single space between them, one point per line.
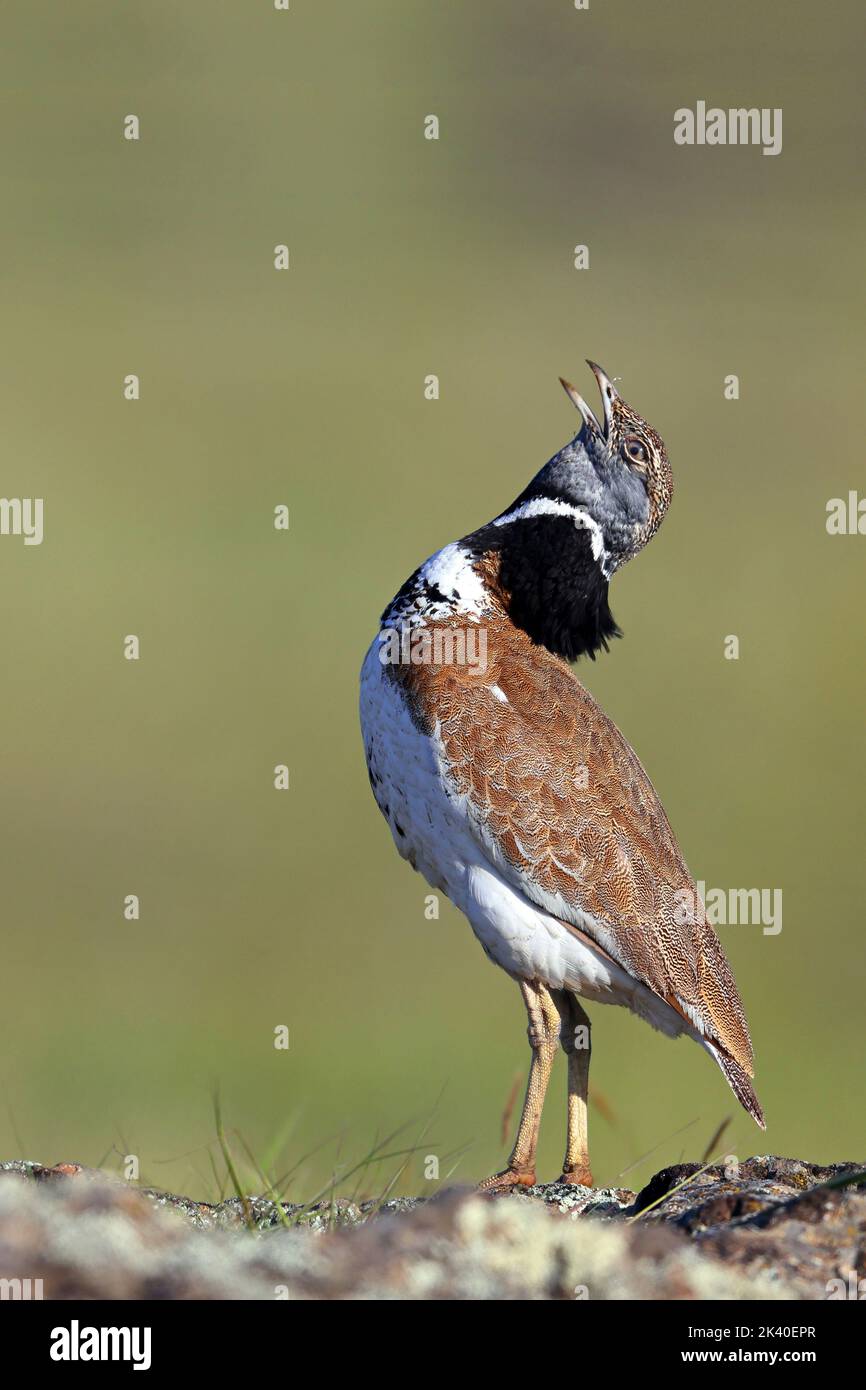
575 1036
543 1033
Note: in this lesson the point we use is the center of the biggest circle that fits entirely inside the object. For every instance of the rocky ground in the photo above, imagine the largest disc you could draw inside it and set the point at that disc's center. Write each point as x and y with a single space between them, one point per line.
779 1229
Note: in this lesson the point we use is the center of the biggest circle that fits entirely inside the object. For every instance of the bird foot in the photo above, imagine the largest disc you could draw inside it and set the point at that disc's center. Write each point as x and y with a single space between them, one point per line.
580 1175
506 1181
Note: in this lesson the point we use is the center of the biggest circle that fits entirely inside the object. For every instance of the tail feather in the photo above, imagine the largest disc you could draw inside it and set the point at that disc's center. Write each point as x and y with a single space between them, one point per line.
739 1082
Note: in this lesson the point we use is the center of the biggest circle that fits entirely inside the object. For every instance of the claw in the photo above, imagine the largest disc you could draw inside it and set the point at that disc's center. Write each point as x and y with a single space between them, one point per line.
506 1181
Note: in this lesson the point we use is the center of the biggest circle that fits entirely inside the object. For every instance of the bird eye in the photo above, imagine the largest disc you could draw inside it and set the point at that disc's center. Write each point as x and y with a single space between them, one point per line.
635 451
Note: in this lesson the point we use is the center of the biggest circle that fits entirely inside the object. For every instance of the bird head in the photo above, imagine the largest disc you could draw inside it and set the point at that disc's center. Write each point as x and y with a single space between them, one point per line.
616 469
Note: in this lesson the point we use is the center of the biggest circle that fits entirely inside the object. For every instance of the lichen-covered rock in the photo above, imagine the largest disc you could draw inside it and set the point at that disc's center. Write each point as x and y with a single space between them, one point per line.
815 1241
802 1223
697 1198
774 1228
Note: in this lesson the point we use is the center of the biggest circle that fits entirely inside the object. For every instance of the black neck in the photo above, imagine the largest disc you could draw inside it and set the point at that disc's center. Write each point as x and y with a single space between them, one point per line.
554 588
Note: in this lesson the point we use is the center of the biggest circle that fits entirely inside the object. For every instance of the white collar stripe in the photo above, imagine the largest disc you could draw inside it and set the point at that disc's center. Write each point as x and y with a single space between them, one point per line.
554 506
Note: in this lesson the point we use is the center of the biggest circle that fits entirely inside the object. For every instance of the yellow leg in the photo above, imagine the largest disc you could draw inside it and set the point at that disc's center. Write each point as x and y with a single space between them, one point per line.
576 1040
543 1033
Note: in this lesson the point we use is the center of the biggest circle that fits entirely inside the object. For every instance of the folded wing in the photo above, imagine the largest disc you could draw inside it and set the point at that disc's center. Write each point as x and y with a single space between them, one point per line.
560 803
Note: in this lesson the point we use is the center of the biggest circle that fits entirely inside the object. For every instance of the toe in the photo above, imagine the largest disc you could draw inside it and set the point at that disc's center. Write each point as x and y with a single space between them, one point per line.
506 1181
578 1176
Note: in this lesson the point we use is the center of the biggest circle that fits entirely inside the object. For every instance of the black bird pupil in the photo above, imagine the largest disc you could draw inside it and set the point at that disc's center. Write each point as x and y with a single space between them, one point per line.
636 450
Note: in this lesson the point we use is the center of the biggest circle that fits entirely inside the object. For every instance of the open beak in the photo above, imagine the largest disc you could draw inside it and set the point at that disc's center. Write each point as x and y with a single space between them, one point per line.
608 395
577 399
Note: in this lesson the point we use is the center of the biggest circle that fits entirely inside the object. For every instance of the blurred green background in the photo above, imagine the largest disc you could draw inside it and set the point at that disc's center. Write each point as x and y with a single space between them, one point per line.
408 257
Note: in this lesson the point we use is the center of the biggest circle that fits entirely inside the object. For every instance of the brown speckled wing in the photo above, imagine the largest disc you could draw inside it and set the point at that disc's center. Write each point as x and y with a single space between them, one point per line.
560 801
